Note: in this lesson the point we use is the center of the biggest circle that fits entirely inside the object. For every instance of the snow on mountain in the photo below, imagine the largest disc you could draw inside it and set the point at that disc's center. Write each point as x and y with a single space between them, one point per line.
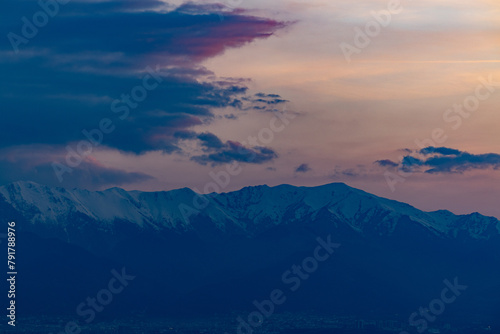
43 204
246 208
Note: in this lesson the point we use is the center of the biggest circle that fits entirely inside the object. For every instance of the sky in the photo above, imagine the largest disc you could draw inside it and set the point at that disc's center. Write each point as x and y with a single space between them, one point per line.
398 98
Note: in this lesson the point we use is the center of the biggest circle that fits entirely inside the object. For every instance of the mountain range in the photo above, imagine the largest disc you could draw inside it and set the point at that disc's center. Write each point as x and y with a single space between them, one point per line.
193 253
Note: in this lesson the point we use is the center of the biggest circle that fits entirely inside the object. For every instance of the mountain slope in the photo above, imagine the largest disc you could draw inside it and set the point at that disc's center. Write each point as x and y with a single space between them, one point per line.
234 247
252 208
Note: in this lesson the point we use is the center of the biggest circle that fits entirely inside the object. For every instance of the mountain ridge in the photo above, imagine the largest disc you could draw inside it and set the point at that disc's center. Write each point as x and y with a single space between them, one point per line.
242 208
392 255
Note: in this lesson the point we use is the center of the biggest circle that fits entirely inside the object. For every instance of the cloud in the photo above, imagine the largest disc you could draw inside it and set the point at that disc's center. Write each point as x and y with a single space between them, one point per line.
98 176
83 67
264 95
210 141
304 168
434 160
409 161
266 102
62 104
231 116
35 164
386 163
233 151
219 152
66 78
135 33
340 173
439 150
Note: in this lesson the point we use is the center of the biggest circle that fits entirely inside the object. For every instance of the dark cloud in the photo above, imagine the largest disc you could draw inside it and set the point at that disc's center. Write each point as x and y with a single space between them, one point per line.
219 152
267 102
435 160
304 168
60 105
124 34
86 62
277 101
233 151
439 150
263 95
386 163
263 102
210 141
185 135
409 161
274 101
462 162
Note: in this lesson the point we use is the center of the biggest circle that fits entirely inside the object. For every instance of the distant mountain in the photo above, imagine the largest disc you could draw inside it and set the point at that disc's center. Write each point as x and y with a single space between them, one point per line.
217 253
248 211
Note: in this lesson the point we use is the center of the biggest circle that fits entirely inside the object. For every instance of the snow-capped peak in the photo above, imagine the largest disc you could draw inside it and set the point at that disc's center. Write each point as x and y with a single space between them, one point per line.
245 209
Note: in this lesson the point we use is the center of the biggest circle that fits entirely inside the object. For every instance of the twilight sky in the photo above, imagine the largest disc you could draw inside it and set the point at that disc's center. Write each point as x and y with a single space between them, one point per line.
399 99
